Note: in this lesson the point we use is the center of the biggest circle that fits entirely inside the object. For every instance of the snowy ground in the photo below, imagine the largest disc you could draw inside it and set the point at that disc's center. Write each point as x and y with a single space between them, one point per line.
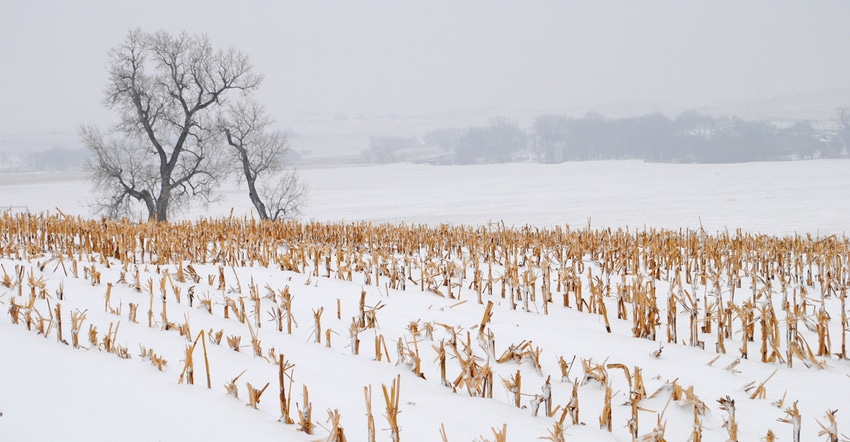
771 198
50 391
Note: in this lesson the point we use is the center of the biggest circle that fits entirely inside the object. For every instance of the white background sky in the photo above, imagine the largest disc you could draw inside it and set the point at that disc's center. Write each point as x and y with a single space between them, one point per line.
392 57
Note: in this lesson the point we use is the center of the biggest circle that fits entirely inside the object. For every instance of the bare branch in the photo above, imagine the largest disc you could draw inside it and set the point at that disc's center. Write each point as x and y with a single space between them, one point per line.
166 90
260 155
286 199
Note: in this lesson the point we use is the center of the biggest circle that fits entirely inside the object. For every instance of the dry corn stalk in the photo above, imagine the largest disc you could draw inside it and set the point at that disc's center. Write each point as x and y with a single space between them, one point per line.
696 434
285 391
730 423
781 401
231 387
380 344
792 416
255 341
605 417
59 324
108 343
441 358
632 423
150 303
514 386
500 435
657 433
317 317
155 359
286 304
477 379
370 419
760 392
595 372
7 281
521 352
488 314
188 366
565 368
831 430
215 337
572 406
233 342
254 395
391 399
354 334
328 333
188 361
93 336
132 314
305 414
77 318
336 431
556 434
206 301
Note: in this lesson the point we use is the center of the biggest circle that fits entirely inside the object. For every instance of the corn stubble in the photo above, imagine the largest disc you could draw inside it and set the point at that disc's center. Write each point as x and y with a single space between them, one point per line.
781 318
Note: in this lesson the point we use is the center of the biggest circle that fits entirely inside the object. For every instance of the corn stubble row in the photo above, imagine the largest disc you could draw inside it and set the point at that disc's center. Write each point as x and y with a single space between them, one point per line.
770 291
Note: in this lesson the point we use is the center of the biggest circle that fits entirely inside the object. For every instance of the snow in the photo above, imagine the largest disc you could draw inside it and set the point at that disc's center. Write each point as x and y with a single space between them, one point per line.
772 198
51 391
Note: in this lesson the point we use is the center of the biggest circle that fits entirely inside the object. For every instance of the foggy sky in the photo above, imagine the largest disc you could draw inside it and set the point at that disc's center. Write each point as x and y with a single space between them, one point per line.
394 57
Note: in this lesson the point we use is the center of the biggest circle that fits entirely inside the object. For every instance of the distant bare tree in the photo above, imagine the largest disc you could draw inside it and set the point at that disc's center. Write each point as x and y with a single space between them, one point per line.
261 157
842 115
842 138
164 152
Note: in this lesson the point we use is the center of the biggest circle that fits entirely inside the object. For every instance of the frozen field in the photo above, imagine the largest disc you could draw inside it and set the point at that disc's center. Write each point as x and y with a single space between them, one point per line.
50 391
774 198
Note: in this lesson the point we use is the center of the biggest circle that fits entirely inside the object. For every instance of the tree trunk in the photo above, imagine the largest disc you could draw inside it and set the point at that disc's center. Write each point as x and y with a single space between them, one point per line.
251 179
146 198
161 213
255 199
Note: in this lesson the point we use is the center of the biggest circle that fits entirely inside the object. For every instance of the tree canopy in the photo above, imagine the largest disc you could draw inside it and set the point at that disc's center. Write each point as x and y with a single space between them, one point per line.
167 149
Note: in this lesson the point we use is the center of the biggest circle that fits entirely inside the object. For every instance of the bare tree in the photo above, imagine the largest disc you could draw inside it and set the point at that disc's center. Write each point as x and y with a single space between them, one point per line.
261 158
163 152
842 115
842 138
285 195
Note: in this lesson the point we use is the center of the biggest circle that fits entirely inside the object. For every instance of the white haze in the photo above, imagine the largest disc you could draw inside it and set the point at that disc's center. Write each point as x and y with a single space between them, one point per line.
423 59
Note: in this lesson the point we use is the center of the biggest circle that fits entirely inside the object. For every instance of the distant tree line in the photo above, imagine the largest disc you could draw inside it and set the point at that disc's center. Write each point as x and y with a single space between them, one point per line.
690 137
54 159
385 149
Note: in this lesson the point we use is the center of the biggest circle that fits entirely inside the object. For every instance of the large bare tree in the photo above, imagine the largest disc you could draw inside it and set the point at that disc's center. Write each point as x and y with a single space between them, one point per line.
260 156
165 150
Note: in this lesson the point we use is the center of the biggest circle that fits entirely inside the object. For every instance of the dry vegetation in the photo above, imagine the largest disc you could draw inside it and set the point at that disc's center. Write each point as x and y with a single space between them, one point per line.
777 300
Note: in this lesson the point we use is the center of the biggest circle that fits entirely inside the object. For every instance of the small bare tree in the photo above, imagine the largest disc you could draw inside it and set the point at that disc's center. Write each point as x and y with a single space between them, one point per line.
840 143
261 156
164 151
843 116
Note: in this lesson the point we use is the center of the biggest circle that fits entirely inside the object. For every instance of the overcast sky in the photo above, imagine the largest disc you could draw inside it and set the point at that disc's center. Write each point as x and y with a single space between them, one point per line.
382 57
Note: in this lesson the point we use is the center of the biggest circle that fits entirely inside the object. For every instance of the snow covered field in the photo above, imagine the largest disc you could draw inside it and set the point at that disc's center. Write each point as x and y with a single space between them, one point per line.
51 391
771 198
